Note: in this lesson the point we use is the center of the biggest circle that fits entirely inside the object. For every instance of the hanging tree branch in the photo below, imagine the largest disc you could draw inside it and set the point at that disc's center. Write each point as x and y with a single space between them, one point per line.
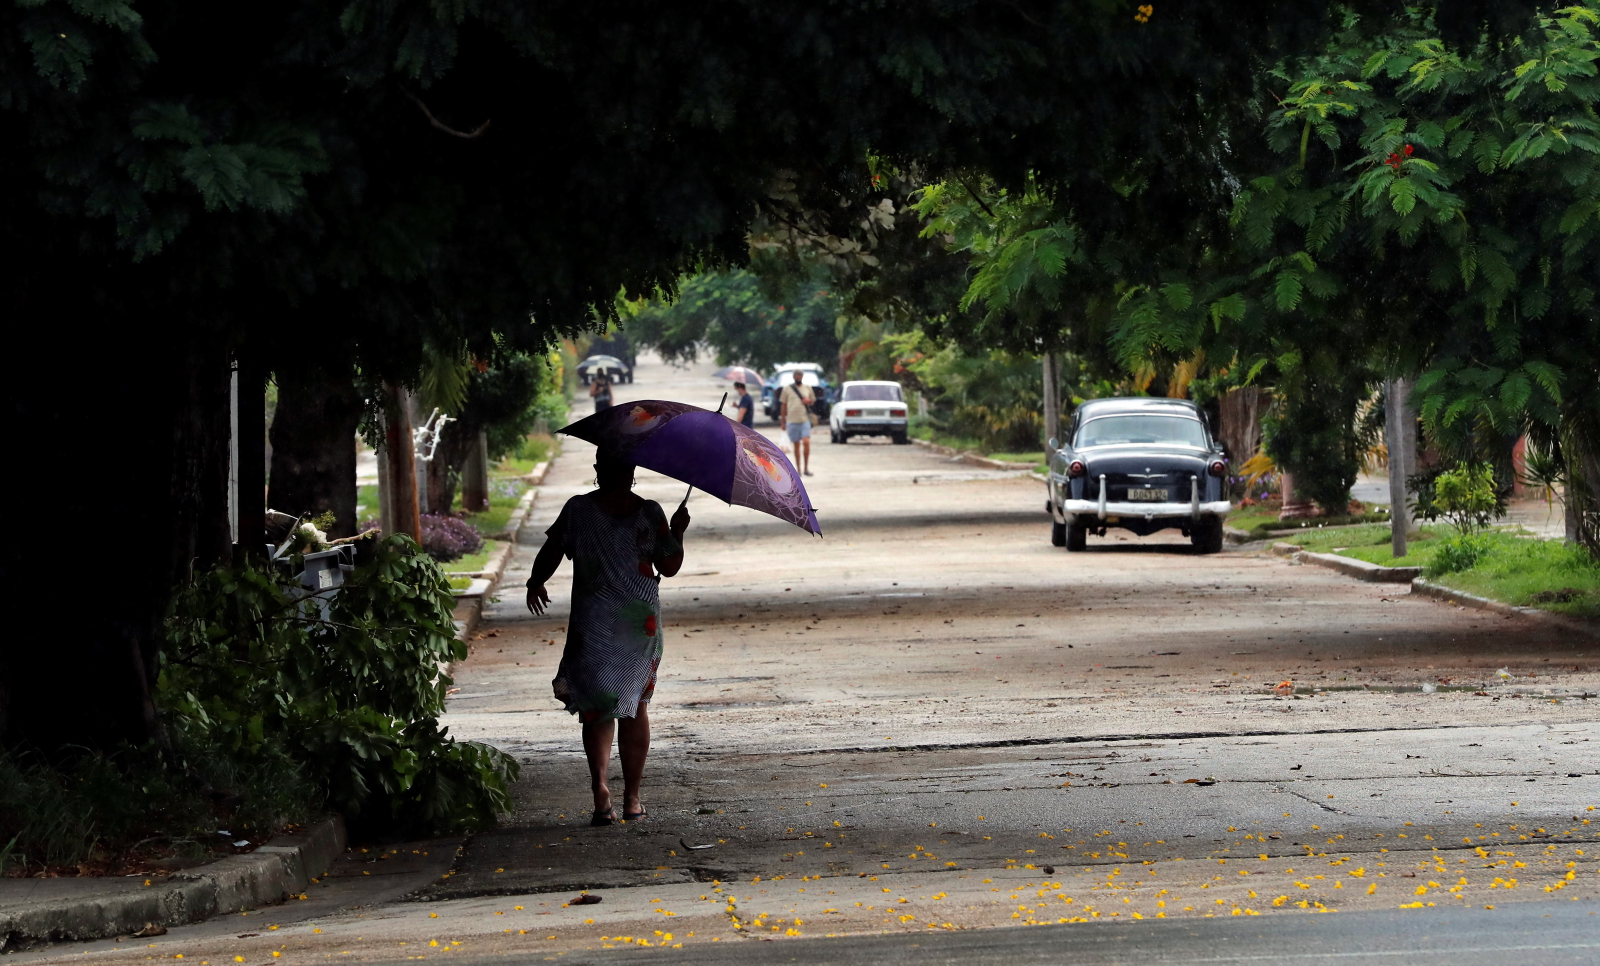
440 124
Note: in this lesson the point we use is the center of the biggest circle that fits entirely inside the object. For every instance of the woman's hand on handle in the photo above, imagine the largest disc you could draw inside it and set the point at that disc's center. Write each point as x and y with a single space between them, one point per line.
538 599
680 520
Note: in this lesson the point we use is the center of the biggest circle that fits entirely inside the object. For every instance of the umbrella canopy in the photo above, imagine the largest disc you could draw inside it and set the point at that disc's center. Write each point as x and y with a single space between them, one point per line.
707 450
604 362
743 374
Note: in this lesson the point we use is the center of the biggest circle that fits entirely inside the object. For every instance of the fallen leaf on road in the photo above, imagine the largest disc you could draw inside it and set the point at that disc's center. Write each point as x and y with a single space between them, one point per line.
150 929
584 900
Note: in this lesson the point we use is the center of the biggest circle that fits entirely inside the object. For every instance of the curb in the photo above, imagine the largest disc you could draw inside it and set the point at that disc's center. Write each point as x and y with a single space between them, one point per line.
270 875
974 458
1428 588
1359 569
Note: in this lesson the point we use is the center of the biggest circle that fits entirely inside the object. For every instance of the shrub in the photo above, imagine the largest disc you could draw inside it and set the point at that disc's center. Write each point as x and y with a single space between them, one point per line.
1466 496
252 672
446 537
1458 553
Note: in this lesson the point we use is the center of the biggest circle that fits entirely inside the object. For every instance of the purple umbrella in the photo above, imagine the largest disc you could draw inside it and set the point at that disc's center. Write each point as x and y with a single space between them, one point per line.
733 463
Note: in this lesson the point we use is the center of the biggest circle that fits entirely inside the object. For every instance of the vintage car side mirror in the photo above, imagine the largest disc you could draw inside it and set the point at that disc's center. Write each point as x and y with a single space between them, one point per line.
1055 444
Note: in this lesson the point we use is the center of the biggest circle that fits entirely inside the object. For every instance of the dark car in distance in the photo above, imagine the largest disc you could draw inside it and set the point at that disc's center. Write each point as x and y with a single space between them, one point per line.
1142 464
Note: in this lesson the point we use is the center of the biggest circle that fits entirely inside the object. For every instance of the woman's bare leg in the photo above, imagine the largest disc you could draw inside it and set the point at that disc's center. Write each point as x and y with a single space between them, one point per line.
597 737
633 744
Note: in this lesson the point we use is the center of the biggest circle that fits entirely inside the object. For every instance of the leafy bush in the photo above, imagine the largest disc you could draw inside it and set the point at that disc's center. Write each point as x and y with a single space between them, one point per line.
1466 496
1460 552
1311 435
254 673
446 537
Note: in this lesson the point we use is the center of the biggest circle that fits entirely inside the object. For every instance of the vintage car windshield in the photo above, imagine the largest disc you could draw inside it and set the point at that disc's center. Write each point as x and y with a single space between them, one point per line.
872 394
1142 428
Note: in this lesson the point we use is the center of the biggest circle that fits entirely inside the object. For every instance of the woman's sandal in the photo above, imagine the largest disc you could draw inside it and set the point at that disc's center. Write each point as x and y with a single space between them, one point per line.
635 816
607 816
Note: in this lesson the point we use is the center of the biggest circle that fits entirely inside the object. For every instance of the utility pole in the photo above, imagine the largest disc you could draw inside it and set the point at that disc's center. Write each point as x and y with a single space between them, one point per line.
1052 398
1400 435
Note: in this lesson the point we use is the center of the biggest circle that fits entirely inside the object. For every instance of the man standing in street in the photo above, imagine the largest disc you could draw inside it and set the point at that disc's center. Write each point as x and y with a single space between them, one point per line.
746 406
795 412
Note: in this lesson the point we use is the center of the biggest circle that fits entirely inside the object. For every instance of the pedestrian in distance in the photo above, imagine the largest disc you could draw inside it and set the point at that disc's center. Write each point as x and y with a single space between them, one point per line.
746 404
600 391
795 413
620 546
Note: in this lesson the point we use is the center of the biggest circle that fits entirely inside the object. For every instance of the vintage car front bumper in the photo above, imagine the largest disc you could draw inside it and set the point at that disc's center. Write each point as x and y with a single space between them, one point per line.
1094 509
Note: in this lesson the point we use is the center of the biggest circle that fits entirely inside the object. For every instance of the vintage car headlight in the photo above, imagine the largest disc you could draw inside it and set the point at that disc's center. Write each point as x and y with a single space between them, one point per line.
1076 468
1218 467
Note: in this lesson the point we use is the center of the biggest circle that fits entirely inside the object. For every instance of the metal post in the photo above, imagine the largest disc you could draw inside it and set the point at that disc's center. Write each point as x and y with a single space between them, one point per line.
1400 435
233 456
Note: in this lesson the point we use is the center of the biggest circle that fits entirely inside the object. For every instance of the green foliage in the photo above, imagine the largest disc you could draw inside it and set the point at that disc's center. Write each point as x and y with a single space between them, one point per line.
1455 554
253 672
993 397
1311 433
88 808
1466 496
743 322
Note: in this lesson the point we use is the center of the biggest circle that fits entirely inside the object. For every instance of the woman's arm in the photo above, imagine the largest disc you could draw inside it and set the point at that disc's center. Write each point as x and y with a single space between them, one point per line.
544 567
668 566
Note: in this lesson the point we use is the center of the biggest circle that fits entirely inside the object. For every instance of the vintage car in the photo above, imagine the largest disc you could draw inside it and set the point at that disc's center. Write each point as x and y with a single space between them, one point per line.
869 408
1142 464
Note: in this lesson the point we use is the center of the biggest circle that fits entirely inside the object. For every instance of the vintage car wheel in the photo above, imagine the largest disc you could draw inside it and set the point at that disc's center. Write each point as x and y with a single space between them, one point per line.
834 436
900 439
1207 535
1077 537
1058 534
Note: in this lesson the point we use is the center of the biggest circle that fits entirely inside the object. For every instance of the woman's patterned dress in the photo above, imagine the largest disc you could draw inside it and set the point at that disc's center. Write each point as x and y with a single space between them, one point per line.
614 635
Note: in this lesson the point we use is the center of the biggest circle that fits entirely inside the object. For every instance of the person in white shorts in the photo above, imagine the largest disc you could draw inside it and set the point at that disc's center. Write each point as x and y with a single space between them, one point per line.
796 402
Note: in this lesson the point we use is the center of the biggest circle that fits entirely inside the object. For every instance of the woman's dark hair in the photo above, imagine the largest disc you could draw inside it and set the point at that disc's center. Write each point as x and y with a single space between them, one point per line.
610 472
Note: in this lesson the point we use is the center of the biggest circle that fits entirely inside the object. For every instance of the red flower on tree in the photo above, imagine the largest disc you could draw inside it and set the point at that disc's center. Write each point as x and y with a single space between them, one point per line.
1395 159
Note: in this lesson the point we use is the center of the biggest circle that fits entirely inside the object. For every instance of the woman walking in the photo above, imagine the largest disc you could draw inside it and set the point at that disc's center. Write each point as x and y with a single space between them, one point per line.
620 546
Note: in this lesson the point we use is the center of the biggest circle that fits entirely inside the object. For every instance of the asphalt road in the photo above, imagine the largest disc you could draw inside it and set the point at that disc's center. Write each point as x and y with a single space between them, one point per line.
1562 935
929 727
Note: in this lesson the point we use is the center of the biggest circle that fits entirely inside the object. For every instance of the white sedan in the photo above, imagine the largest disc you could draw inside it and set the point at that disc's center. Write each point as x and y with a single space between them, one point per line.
868 409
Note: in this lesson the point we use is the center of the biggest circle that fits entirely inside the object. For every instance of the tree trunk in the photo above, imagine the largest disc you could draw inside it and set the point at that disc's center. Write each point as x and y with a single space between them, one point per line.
250 473
1400 434
1240 428
475 476
82 673
314 448
402 510
1052 398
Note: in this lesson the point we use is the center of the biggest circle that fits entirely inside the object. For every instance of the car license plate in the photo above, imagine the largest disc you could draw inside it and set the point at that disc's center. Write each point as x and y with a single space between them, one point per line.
1154 496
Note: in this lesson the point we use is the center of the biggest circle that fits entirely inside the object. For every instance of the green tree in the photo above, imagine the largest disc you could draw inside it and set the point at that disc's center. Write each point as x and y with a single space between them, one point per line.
741 320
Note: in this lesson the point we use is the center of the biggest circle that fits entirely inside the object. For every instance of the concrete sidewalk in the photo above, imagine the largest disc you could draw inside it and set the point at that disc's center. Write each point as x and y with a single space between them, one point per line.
38 911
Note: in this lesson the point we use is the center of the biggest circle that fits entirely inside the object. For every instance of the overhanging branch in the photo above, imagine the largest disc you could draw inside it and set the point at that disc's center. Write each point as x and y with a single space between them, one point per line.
468 135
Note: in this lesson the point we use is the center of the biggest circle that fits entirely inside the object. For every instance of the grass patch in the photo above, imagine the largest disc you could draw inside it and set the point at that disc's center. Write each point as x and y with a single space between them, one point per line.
473 562
1271 528
460 583
1548 574
927 433
1372 544
1017 457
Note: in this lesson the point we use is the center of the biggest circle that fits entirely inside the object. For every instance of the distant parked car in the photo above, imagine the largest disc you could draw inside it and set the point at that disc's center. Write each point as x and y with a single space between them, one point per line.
613 367
783 375
869 408
1142 464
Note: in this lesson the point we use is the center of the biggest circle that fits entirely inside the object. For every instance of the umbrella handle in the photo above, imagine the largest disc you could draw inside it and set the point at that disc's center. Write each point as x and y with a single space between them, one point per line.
686 495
